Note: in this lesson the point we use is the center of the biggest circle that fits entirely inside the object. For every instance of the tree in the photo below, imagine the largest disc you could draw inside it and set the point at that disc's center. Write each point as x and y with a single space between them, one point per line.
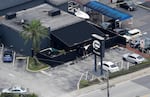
34 31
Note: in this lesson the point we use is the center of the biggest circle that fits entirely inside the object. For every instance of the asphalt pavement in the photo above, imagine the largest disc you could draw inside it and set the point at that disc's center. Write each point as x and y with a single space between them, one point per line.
61 81
140 78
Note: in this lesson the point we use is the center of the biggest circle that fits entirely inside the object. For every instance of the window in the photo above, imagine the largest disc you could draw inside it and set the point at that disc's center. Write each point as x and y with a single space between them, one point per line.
139 57
113 66
132 57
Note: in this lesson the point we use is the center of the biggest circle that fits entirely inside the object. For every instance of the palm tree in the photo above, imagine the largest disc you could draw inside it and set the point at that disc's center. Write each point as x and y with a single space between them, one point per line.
34 31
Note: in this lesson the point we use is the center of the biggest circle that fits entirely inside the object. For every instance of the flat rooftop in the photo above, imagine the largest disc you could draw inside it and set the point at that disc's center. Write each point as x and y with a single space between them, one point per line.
57 2
41 13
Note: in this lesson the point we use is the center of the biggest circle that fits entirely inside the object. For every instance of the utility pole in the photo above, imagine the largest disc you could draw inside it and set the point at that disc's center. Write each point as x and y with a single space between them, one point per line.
108 95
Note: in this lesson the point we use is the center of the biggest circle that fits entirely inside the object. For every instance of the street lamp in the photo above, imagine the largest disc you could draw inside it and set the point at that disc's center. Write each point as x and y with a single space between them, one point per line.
106 78
107 83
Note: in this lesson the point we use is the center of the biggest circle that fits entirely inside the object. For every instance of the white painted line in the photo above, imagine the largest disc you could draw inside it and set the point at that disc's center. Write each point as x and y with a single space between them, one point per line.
44 72
14 55
88 93
12 75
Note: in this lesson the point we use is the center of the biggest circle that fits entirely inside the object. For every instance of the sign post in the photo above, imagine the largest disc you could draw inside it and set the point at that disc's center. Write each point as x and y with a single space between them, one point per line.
98 49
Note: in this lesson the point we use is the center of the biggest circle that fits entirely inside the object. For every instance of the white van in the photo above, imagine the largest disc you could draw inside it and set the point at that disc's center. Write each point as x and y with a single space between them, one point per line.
132 34
110 66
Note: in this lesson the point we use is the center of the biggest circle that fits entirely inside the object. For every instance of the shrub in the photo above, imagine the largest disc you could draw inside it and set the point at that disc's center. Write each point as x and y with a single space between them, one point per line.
17 95
84 83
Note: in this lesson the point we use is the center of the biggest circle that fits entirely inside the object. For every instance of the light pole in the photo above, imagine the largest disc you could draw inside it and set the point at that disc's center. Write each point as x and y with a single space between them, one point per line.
107 78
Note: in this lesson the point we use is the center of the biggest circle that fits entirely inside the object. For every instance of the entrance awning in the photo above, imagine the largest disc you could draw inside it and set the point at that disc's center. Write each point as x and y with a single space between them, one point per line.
107 11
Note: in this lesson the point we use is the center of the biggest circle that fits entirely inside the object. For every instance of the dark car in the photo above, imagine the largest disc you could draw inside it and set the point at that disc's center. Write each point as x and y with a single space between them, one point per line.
120 31
8 55
135 43
128 5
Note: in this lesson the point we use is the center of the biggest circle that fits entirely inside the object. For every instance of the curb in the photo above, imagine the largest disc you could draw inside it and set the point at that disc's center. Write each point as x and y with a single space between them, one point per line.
147 8
34 71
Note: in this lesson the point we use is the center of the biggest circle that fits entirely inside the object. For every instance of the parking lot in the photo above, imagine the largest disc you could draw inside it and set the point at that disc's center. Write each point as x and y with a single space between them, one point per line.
62 79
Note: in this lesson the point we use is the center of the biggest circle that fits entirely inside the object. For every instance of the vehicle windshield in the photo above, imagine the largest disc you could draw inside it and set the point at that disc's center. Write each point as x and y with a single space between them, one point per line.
10 89
123 32
113 66
139 57
7 55
22 88
129 2
131 34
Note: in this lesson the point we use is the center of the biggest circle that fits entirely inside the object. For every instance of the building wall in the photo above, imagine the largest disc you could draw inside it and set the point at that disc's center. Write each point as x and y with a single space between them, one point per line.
12 39
16 5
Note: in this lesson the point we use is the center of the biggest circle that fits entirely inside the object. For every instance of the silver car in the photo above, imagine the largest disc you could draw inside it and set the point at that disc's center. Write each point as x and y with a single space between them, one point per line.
133 58
15 89
109 66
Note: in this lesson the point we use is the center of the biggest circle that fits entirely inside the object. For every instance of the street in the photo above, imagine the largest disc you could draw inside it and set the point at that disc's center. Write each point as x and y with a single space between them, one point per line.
139 87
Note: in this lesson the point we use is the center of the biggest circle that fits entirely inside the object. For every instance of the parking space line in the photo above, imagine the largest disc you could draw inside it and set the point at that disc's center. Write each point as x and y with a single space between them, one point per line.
12 75
45 73
14 55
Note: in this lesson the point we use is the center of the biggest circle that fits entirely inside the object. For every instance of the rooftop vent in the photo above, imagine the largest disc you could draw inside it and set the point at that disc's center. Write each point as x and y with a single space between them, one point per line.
54 12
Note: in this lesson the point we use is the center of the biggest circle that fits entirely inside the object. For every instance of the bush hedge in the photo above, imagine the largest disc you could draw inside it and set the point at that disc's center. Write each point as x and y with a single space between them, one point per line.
131 69
17 95
85 83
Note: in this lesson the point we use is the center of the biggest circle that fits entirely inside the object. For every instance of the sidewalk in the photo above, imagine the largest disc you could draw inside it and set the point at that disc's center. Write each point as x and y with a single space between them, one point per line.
112 82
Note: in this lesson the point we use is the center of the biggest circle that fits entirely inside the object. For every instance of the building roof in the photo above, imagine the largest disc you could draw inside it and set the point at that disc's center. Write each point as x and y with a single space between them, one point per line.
10 3
41 13
76 34
57 2
108 11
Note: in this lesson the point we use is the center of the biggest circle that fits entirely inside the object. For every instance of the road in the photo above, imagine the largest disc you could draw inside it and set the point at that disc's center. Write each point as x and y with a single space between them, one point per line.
139 87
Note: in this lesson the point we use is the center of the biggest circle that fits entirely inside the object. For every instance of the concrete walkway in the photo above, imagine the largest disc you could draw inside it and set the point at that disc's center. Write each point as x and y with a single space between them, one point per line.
113 82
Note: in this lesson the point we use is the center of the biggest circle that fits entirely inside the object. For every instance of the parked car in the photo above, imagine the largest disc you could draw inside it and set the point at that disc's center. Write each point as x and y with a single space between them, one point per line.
128 5
16 89
133 58
132 34
135 43
145 45
8 55
110 66
120 31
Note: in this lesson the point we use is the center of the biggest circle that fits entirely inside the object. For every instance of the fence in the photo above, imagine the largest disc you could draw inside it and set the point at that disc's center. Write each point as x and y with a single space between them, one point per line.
59 59
123 65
